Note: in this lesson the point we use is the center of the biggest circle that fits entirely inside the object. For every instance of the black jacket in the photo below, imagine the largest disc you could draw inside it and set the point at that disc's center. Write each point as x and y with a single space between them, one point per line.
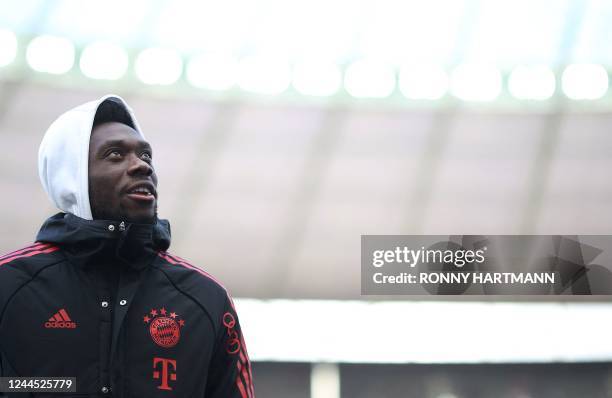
104 302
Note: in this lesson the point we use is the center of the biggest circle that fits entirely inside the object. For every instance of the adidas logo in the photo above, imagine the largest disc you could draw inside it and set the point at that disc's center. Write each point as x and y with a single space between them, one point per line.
60 320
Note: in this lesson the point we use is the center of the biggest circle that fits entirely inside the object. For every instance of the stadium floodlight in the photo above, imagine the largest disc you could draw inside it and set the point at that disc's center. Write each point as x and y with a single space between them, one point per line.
306 338
159 66
369 79
50 54
426 82
317 79
212 72
325 381
8 47
446 395
532 83
476 82
584 81
264 75
104 60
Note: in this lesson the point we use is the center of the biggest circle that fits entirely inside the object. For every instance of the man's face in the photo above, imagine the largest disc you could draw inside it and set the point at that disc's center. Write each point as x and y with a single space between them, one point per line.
122 181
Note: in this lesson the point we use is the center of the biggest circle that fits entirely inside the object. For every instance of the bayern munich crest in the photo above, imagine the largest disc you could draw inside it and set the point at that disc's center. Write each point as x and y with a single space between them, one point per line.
165 328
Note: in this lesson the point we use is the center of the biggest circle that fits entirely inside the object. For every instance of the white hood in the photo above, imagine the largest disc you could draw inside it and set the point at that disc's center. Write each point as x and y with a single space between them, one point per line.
63 157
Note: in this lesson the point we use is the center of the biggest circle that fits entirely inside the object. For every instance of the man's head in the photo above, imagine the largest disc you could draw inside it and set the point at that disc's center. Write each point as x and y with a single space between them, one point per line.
95 163
122 180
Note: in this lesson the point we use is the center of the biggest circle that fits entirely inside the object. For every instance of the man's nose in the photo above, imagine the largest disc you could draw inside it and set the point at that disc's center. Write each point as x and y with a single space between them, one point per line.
139 167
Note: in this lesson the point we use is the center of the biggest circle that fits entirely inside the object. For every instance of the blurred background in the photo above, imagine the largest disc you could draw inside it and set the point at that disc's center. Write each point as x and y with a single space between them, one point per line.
284 130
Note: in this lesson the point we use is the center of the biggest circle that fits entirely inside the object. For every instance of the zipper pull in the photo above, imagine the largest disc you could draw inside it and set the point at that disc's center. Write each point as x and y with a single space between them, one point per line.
122 226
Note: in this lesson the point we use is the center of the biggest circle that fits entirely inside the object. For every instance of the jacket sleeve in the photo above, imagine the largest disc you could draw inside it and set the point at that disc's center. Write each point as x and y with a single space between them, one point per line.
2 395
229 374
4 291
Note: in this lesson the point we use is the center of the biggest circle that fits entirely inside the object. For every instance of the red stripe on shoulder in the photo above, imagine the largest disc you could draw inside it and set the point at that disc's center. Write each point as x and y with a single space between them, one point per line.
41 250
33 246
185 262
177 261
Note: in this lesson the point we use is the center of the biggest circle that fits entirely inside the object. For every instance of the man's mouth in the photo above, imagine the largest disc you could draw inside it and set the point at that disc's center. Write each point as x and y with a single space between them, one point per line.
141 193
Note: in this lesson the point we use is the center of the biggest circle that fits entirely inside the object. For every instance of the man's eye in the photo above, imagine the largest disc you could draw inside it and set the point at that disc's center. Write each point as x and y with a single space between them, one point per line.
146 156
114 154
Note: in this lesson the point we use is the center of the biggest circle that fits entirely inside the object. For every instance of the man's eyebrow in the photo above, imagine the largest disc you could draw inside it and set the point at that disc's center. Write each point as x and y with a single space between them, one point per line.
123 143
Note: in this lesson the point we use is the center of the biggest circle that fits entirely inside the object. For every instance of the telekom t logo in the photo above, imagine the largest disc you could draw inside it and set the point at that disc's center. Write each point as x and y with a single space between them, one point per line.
165 372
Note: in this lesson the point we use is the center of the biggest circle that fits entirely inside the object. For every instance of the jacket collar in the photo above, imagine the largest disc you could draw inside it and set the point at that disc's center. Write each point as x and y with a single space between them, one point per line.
88 242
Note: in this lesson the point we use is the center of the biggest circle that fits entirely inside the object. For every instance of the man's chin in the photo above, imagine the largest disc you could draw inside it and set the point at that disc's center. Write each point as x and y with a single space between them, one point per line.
139 212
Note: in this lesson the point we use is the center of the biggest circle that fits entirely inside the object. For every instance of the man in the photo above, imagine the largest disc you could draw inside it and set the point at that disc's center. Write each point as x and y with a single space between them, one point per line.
98 297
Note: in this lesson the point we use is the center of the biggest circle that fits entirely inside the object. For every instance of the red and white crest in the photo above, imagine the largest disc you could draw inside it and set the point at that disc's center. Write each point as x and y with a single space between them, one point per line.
165 329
